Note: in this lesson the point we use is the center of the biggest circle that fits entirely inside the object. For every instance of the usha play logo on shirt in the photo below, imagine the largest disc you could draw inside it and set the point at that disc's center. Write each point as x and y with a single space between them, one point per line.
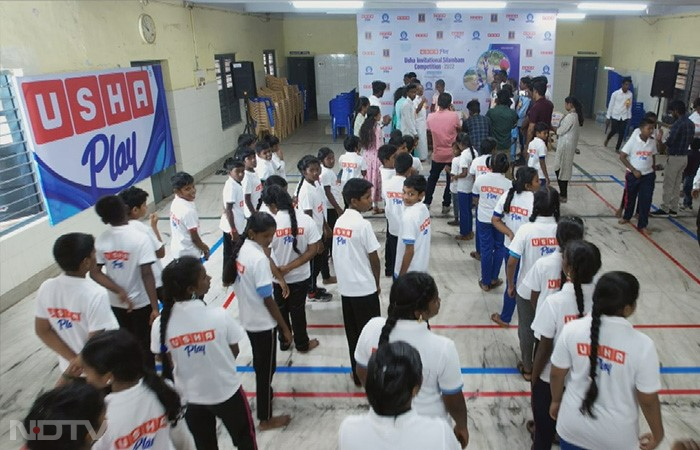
193 342
117 258
604 353
64 316
425 226
548 245
342 235
138 438
492 193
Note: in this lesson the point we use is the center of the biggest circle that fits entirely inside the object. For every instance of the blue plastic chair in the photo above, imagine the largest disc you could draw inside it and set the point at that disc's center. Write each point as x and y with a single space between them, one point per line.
341 114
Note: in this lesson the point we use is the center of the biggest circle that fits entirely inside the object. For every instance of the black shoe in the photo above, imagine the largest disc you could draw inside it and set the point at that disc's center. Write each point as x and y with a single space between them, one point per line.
672 213
284 347
659 213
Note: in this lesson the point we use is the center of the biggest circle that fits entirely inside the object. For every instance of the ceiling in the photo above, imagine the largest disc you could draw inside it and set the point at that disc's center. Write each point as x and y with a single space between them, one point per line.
655 8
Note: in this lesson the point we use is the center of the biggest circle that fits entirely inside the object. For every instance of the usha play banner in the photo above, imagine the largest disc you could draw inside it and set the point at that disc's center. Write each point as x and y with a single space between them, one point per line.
463 48
95 133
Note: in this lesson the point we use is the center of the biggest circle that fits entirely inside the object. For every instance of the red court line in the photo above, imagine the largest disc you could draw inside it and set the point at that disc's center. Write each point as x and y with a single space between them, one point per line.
494 327
482 394
229 299
653 242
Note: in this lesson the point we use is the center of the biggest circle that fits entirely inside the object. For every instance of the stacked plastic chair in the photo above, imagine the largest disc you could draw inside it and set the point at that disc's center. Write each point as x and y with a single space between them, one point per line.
341 109
261 112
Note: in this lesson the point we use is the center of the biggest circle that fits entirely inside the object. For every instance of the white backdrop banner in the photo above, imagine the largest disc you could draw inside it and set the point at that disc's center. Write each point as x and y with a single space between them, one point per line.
462 48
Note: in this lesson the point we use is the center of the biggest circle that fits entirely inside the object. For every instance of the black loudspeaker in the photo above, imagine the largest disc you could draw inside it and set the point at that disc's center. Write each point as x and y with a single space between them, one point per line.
664 82
243 79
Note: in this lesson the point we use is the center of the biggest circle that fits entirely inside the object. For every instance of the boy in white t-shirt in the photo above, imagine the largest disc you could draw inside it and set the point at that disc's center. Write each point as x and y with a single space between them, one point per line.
263 161
392 192
278 163
639 157
413 248
252 186
387 155
538 152
352 164
480 166
127 258
232 223
70 308
356 263
135 200
454 169
184 219
465 183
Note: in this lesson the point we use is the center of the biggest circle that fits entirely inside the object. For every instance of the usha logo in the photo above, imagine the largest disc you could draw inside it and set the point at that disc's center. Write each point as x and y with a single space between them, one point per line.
385 34
367 17
494 35
529 34
528 69
439 16
403 17
458 34
512 17
386 69
476 17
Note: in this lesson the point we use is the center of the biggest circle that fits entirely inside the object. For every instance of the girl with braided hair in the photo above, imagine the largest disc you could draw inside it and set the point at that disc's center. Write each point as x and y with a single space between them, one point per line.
294 245
612 370
581 263
394 377
202 342
414 300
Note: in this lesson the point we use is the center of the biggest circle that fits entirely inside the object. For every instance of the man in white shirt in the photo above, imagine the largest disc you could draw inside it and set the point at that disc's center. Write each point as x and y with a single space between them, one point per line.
639 156
357 263
619 113
408 124
70 308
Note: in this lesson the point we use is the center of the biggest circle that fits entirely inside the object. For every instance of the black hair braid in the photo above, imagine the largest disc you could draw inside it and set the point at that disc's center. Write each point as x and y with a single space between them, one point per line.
592 393
295 227
165 314
167 396
579 293
386 329
230 271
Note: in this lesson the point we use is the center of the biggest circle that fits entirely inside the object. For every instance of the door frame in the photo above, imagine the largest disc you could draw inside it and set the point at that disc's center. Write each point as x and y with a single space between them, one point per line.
589 114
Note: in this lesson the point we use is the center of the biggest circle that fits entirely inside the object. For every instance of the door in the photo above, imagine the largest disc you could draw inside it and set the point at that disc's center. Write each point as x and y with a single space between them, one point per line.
583 82
300 70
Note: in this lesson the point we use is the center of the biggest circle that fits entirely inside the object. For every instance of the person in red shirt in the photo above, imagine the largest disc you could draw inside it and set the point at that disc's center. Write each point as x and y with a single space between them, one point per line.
444 125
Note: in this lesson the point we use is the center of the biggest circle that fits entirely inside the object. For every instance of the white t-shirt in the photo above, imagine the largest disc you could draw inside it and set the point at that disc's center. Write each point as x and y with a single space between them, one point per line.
640 153
374 101
157 266
695 118
415 229
392 192
198 338
441 369
479 167
455 170
136 419
537 150
264 168
534 240
312 197
544 276
283 243
417 165
385 175
408 124
251 186
465 184
330 178
518 213
253 284
353 241
627 362
352 165
123 252
233 194
183 219
75 307
409 431
489 187
556 311
279 165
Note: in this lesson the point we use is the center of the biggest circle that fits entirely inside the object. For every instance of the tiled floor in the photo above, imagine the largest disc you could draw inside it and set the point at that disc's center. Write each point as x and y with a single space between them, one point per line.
667 264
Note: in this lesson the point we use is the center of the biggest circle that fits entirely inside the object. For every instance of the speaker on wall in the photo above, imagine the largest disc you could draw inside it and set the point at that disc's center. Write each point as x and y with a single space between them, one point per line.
664 82
243 74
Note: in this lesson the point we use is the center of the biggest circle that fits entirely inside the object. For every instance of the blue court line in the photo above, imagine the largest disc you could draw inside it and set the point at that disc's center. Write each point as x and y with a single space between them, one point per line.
465 370
678 225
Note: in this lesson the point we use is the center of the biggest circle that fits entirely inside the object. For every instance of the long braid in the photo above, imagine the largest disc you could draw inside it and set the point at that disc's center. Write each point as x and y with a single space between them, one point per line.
579 295
230 270
295 228
592 393
165 314
411 292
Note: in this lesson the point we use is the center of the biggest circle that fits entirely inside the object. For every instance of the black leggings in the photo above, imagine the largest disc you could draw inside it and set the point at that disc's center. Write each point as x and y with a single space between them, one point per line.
320 265
293 309
137 322
357 311
265 364
563 186
234 414
545 426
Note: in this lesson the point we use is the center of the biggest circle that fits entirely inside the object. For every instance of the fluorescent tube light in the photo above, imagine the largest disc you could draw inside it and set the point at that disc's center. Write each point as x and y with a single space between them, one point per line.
612 6
328 5
471 5
571 16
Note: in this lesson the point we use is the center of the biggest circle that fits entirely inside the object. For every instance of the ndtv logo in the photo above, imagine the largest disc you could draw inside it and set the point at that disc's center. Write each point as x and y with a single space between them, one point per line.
403 17
385 34
52 430
59 109
367 17
429 51
493 35
439 16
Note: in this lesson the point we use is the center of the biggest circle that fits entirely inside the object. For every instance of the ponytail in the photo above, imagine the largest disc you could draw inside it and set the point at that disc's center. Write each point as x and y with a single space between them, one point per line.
276 195
592 393
546 203
523 177
577 106
258 222
410 294
582 259
167 396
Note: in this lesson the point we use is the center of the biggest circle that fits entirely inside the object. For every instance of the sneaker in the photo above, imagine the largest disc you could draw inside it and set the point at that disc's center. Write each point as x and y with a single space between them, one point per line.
319 296
659 213
454 223
672 213
445 209
686 208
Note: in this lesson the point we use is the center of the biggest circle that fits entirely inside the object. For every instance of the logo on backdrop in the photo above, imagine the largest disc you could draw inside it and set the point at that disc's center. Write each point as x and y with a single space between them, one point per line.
528 69
386 53
439 16
547 36
458 34
403 17
404 36
368 35
429 86
458 18
367 17
476 36
529 34
421 17
438 35
546 70
385 18
528 53
385 34
386 69
530 18
494 18
369 70
511 17
421 35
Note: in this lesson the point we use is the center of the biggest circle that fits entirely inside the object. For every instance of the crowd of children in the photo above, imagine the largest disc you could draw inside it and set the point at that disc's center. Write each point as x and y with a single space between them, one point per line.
571 322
